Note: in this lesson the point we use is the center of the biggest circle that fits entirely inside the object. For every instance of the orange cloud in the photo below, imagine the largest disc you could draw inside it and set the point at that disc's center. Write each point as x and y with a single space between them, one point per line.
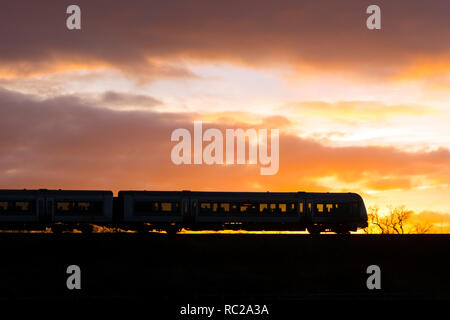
246 118
358 110
66 143
389 183
46 67
435 74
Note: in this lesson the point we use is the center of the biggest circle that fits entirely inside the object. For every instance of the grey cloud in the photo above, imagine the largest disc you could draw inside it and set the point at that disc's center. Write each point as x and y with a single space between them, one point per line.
124 34
112 98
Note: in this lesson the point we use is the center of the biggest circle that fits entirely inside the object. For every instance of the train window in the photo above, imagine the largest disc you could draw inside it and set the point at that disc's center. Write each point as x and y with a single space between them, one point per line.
263 207
142 206
301 207
62 206
282 207
329 207
79 207
215 207
146 207
291 207
18 207
94 207
205 207
166 206
225 207
234 207
84 206
248 207
273 207
23 205
319 207
342 209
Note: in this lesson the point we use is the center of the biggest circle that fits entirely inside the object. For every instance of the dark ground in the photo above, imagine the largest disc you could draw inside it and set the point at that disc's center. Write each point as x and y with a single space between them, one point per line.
214 269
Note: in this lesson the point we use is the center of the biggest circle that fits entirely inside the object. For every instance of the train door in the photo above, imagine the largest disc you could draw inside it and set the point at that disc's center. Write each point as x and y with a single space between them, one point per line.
302 211
50 207
41 209
187 205
309 210
193 209
45 210
189 216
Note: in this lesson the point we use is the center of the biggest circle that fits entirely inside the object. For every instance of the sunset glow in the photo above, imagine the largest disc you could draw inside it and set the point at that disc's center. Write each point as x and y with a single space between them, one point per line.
358 111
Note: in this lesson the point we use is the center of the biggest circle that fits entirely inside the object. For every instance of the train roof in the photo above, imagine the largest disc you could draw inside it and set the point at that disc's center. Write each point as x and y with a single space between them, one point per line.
332 196
234 194
313 196
214 194
53 192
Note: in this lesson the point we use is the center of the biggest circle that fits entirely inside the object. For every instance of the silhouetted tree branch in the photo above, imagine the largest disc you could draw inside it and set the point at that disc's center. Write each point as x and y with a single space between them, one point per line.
394 222
422 227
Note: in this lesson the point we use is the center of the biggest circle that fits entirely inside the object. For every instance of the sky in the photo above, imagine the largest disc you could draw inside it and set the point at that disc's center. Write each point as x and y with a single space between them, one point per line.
358 110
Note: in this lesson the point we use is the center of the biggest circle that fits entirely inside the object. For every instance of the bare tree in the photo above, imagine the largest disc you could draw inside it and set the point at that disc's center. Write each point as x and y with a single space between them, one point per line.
398 217
395 222
372 217
422 227
377 223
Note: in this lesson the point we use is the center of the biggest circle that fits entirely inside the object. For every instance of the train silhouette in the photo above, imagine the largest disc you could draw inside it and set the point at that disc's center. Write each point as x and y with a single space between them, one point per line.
172 211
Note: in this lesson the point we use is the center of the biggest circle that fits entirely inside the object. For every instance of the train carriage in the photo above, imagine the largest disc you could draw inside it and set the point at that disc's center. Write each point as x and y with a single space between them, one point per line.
19 209
337 212
58 209
152 209
247 210
79 209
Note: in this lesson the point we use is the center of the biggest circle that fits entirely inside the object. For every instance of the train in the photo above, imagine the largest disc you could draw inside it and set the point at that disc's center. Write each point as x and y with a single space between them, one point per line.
172 211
